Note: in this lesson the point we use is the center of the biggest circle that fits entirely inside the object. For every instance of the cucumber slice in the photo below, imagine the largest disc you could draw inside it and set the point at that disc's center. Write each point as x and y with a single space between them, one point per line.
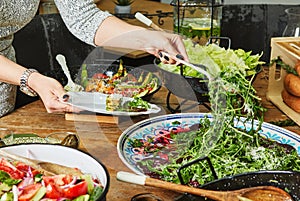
82 198
39 194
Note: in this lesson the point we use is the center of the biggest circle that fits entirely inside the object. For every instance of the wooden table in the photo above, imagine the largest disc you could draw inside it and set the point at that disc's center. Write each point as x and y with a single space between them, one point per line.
100 139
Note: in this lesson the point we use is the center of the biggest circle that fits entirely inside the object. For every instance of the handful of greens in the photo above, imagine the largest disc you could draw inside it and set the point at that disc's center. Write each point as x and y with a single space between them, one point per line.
235 71
217 60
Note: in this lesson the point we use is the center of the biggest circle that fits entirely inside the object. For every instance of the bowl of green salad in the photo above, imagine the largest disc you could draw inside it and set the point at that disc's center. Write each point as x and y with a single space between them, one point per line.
235 66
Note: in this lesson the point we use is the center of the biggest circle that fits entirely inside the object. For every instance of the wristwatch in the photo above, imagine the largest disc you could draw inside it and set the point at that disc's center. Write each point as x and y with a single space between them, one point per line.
24 83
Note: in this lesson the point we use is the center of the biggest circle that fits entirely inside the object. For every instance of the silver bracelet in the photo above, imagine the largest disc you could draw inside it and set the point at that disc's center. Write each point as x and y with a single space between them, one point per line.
24 83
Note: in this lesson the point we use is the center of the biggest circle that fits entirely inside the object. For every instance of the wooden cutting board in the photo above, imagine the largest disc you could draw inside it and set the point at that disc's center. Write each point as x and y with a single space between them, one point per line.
92 118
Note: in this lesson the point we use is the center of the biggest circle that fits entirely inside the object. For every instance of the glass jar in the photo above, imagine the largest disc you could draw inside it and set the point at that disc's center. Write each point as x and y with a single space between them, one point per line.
198 19
292 28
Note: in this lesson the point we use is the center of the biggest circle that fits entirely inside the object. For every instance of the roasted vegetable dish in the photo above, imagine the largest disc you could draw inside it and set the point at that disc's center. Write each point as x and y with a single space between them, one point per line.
121 82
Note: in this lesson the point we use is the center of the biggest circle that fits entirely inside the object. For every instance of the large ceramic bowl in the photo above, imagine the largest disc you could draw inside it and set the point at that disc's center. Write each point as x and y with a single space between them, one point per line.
159 125
64 156
154 126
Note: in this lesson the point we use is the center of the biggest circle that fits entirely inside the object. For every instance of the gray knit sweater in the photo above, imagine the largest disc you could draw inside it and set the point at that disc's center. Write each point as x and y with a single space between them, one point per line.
82 17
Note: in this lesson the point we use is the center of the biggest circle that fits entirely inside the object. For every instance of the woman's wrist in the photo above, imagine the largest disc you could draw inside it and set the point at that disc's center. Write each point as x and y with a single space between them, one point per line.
24 82
35 81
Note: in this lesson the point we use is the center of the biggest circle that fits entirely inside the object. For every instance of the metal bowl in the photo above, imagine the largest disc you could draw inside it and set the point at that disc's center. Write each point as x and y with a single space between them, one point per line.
188 87
183 86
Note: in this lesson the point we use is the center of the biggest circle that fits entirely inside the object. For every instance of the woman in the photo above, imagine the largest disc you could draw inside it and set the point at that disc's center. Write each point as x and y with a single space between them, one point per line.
86 22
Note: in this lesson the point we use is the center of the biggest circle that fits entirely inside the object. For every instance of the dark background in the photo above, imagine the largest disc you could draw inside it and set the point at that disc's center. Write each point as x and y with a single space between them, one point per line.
250 27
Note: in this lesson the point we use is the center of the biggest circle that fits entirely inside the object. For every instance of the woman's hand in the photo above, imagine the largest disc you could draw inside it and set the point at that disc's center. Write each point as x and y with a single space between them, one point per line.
114 32
51 92
172 44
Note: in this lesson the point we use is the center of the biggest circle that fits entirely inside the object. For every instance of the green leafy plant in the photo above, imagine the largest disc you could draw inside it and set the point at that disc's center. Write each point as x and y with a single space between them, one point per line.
123 2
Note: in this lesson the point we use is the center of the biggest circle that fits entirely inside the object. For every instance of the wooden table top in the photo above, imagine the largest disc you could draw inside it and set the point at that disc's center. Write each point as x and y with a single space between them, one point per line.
100 139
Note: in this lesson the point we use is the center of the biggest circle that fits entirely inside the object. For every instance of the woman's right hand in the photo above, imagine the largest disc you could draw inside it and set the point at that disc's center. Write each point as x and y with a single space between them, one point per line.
114 32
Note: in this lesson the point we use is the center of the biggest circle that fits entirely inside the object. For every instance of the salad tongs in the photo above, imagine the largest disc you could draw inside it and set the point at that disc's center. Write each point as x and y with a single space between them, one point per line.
200 68
47 168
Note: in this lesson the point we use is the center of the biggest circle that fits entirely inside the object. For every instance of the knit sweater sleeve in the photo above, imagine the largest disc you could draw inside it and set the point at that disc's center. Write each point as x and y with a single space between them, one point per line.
82 18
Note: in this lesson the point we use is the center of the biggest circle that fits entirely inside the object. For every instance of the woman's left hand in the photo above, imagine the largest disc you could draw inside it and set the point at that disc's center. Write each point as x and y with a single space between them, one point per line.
51 92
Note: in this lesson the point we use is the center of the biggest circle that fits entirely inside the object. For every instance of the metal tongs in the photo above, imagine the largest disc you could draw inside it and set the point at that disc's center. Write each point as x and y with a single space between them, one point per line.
197 67
200 68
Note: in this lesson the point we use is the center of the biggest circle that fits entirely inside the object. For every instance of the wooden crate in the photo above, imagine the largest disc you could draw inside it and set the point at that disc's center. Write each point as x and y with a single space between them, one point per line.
286 49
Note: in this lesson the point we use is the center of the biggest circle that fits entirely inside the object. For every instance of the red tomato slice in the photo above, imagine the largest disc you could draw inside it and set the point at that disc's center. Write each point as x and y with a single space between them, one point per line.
59 180
10 169
15 174
53 191
29 191
78 189
25 168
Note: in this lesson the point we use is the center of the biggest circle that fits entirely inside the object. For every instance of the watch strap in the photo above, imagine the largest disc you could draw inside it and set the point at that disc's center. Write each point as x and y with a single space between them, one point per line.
24 82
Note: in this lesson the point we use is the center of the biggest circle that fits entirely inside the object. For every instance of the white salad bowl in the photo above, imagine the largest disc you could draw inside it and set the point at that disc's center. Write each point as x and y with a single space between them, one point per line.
64 156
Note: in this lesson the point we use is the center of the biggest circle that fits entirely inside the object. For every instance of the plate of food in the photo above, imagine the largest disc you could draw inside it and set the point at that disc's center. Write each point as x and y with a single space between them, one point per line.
117 78
160 146
113 104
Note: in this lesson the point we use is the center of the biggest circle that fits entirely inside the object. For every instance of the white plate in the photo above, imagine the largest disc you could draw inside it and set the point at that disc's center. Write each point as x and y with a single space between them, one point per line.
154 126
96 102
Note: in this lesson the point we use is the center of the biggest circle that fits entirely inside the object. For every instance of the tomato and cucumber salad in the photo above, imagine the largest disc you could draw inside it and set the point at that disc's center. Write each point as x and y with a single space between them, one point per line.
20 182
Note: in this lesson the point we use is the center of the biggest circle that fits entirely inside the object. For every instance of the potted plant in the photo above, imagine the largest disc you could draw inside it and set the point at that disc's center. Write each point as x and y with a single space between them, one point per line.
123 6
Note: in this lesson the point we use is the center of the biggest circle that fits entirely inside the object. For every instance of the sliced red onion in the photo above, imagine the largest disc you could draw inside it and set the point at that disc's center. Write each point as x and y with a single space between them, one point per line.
15 192
71 183
26 181
29 172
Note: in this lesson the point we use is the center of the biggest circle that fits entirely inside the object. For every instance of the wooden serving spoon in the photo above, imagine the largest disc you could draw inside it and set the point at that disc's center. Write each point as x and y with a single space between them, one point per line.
259 193
47 168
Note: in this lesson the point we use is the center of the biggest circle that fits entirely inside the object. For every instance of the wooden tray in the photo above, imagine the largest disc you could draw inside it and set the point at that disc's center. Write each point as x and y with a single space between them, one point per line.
92 118
286 49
